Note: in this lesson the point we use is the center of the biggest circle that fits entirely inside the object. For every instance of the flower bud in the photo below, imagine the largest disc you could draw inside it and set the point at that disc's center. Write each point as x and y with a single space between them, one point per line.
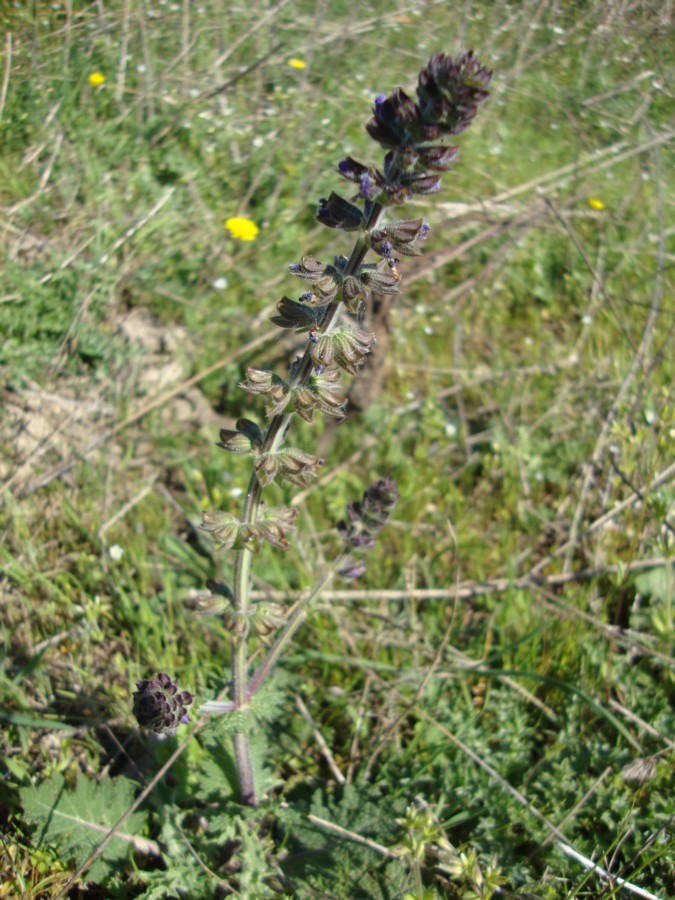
266 468
246 439
275 389
437 159
294 465
353 294
395 119
237 623
250 537
223 526
352 568
421 183
351 348
449 93
277 524
380 278
299 467
325 279
320 393
266 619
299 316
400 237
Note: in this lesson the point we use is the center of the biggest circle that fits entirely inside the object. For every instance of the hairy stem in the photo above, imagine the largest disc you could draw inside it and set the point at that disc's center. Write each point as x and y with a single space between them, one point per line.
274 436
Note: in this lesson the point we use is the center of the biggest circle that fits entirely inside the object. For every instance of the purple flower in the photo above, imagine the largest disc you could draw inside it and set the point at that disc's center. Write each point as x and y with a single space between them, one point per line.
450 92
368 516
160 705
368 187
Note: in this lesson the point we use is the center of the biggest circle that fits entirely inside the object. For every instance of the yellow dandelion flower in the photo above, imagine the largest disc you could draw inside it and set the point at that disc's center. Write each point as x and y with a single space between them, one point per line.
242 229
96 79
595 203
297 63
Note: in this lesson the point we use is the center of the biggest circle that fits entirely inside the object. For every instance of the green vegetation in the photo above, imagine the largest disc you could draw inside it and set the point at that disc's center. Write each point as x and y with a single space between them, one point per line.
497 693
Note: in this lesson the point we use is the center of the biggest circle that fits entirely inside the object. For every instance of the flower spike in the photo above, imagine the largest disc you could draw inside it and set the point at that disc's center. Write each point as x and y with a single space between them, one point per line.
412 130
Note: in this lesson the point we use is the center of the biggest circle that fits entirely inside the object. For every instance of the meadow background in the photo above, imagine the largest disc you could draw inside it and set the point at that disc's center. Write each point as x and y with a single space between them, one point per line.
504 671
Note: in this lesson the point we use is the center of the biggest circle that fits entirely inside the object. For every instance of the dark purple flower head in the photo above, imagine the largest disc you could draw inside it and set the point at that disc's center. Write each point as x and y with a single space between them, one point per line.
395 119
450 92
160 705
368 516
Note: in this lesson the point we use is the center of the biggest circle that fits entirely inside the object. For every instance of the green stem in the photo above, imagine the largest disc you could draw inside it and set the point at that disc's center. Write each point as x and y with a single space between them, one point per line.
274 436
417 874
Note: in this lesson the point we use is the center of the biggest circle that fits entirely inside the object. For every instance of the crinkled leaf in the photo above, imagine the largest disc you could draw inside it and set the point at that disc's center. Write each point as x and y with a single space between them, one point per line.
78 820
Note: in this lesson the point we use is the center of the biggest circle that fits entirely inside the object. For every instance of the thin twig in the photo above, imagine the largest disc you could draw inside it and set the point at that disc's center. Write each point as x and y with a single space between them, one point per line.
629 714
638 359
469 589
578 805
502 782
603 873
419 691
121 513
62 349
259 23
136 227
561 842
44 178
663 477
352 836
8 68
319 738
358 723
124 55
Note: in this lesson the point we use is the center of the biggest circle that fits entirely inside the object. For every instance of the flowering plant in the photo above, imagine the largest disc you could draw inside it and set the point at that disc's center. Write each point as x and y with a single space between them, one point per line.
449 93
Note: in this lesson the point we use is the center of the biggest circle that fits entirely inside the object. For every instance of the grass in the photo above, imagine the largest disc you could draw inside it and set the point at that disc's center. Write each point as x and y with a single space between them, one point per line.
509 651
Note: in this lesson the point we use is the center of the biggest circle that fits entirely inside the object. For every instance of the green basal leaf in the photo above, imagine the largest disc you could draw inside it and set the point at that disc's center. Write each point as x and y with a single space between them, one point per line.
77 821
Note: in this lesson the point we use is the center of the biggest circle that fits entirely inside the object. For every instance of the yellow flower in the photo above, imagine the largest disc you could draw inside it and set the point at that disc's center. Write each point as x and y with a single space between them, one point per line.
242 229
96 79
297 63
595 203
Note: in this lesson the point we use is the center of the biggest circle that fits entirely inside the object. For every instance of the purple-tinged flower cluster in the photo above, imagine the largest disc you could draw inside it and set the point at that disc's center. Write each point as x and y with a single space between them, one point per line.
365 520
449 94
160 705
